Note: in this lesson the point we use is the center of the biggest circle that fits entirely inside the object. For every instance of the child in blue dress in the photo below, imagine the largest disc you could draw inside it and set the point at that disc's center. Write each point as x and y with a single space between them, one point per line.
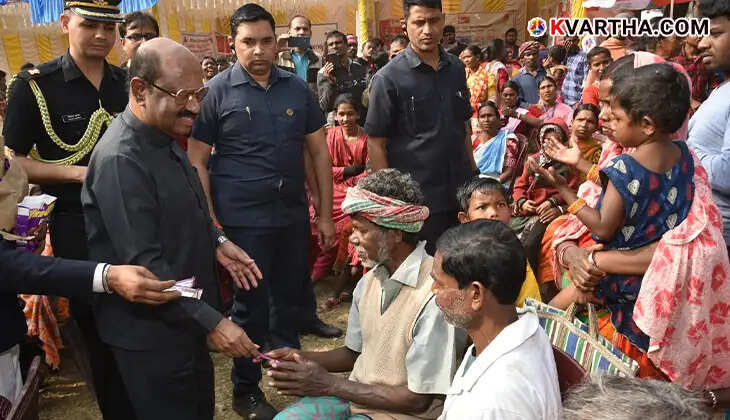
647 191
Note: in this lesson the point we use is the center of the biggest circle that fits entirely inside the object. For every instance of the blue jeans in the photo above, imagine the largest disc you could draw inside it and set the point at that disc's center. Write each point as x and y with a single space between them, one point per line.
271 312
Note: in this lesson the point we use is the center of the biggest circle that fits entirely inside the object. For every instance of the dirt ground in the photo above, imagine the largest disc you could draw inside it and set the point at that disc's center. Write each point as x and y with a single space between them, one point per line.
64 394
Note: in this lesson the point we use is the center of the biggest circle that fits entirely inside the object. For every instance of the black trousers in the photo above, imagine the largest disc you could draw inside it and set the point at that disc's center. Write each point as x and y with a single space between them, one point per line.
272 312
174 382
435 226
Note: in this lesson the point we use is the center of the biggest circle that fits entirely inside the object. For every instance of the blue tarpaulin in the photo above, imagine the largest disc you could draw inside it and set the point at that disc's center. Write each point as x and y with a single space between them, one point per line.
47 11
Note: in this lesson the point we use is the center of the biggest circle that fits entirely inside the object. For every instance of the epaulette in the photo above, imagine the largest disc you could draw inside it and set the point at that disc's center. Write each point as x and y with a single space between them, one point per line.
40 70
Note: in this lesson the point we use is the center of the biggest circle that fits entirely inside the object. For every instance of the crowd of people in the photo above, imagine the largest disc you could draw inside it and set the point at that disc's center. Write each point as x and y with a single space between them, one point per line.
439 187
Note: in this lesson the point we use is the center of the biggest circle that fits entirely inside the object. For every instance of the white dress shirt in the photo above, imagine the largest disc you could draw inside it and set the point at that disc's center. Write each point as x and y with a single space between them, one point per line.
513 378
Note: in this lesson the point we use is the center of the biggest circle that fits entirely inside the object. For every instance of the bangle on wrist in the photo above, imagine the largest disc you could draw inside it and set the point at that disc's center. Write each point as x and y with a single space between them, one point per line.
105 278
592 259
561 256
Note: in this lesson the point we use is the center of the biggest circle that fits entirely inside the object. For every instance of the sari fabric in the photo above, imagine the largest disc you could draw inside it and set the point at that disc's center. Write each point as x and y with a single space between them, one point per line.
497 76
477 81
343 155
682 304
489 156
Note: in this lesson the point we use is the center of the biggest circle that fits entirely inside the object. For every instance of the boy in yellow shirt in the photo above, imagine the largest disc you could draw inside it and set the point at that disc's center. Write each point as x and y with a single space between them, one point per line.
485 198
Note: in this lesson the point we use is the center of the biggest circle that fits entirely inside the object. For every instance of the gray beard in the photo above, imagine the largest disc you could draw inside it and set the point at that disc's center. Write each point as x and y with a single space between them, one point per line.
383 253
459 319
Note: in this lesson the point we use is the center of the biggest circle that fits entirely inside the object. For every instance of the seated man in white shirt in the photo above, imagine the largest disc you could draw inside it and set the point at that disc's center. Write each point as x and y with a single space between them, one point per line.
509 371
400 349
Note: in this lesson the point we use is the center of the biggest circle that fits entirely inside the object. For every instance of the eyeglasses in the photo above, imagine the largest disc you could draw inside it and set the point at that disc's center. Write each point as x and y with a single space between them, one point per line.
140 36
182 97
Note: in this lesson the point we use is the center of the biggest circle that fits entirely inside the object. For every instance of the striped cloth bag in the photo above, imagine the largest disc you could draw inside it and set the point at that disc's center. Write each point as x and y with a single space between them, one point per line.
582 342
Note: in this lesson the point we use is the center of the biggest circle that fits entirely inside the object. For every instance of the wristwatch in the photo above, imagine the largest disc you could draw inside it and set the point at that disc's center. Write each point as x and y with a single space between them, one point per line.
220 236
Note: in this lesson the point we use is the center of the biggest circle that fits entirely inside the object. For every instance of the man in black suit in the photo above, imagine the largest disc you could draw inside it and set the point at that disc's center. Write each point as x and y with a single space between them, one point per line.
24 272
144 205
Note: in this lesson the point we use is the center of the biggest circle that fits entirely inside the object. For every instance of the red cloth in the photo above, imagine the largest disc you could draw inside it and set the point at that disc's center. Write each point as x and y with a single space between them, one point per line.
502 77
542 190
590 95
342 155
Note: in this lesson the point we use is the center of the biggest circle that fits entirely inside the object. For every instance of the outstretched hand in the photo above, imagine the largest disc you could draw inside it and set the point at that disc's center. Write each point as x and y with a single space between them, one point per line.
570 156
231 340
242 268
139 285
550 174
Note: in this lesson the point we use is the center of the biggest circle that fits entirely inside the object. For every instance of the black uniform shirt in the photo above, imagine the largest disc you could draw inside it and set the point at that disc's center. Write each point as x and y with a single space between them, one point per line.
257 171
421 112
70 99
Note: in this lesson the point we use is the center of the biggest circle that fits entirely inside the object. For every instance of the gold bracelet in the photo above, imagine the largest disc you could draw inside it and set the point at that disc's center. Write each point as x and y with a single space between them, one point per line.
593 174
576 206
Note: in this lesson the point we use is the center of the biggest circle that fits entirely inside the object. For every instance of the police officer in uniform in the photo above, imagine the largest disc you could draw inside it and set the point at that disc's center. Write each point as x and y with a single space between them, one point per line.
56 113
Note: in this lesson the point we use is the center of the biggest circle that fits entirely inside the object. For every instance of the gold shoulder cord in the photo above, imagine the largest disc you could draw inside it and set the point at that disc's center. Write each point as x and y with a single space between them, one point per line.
87 142
7 87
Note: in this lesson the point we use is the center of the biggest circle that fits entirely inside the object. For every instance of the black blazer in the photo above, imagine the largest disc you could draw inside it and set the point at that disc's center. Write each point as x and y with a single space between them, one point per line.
23 272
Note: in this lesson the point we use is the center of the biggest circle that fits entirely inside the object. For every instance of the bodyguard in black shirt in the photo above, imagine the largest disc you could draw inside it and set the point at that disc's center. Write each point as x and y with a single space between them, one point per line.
418 117
144 205
56 114
263 121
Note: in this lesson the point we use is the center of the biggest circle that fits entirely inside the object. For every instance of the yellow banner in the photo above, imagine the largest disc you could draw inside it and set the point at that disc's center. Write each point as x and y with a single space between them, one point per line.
13 52
45 53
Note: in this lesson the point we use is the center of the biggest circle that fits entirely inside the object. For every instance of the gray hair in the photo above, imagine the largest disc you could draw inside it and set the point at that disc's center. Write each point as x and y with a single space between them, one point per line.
392 183
618 398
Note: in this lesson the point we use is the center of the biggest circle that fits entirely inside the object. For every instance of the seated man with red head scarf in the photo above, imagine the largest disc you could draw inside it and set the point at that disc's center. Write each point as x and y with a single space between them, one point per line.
400 349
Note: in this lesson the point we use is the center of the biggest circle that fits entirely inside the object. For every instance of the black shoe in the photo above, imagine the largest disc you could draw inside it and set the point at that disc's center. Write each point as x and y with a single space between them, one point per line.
320 329
252 406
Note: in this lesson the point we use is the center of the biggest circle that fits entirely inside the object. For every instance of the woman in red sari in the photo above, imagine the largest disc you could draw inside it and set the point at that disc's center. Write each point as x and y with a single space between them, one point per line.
347 143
